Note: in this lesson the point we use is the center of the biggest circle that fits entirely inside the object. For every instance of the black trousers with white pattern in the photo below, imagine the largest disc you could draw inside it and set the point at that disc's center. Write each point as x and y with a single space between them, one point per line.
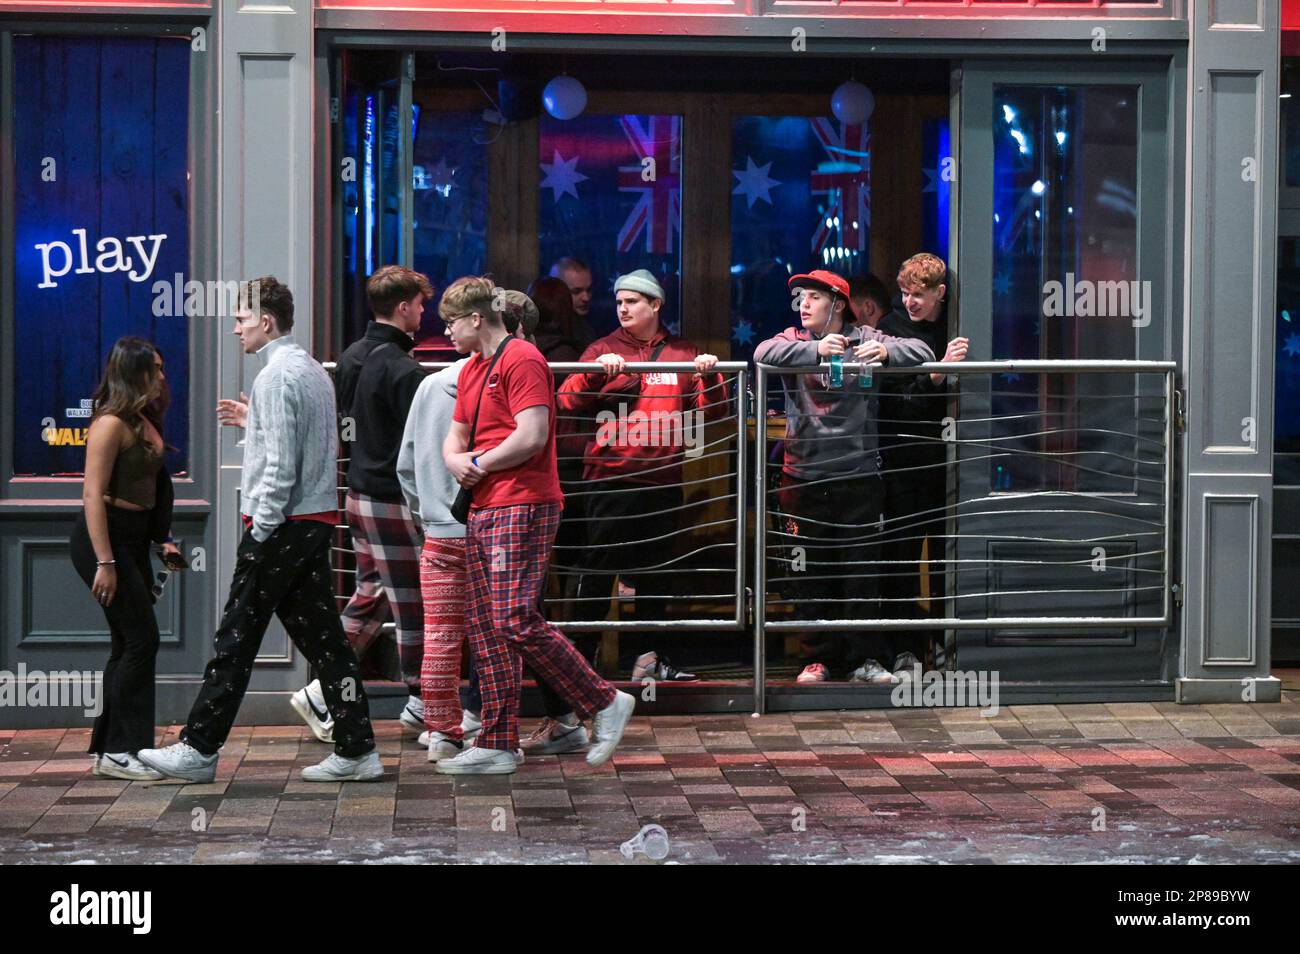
289 575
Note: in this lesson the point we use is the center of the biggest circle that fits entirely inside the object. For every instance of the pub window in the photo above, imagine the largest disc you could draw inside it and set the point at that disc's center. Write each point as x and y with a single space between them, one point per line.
611 197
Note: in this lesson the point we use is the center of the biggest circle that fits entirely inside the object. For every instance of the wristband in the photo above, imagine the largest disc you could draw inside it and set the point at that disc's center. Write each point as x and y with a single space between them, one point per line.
105 563
169 539
474 461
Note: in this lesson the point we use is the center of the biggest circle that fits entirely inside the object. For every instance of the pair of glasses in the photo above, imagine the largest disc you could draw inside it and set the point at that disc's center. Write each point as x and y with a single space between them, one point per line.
452 324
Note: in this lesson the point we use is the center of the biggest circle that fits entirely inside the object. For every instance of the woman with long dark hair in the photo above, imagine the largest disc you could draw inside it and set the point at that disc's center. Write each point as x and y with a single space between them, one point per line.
111 541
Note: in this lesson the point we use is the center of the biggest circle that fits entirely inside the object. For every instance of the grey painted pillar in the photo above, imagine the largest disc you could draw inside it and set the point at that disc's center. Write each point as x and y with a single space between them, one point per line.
265 228
1230 259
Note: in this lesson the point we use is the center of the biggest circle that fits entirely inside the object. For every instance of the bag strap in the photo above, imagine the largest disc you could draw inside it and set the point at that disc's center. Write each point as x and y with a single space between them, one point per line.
479 406
659 349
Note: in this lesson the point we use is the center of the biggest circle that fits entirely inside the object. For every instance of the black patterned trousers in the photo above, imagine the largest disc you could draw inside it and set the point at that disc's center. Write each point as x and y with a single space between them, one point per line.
288 575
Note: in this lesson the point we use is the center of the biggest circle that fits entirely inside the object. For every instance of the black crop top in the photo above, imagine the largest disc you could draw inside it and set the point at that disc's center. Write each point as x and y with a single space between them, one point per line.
135 475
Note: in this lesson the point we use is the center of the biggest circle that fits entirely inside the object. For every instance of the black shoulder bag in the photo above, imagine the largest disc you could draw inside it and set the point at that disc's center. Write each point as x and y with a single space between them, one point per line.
465 497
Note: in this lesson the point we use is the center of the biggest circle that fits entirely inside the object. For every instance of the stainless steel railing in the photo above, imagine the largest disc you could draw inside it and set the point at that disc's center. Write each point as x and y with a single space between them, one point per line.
1036 479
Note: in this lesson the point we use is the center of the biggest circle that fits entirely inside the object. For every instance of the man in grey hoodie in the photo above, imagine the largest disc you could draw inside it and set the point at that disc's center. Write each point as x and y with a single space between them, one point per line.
831 495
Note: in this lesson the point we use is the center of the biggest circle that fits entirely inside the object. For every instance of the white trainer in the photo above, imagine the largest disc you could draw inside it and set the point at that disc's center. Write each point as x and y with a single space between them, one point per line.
309 703
180 761
476 761
127 766
470 725
555 736
608 726
442 746
337 768
412 717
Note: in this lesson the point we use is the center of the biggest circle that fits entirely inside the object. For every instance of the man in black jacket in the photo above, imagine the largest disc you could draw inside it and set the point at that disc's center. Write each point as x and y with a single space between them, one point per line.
376 382
915 455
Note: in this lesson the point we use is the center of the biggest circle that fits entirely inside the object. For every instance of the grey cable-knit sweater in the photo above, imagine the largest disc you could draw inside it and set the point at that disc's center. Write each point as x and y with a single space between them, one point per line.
291 449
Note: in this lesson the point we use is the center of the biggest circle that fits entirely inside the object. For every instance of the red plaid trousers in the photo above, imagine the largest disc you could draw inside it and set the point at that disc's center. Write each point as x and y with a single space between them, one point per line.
507 550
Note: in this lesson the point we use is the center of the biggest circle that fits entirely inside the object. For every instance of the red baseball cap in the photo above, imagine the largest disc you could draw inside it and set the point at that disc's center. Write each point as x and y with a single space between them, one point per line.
823 280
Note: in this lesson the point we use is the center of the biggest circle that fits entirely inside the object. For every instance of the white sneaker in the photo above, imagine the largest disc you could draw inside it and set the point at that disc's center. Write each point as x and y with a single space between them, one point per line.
412 717
127 766
309 703
476 761
181 761
554 736
608 725
337 768
442 746
873 673
470 725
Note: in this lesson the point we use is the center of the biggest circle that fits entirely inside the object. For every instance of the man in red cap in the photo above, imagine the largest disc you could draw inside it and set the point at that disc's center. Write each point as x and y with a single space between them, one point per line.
831 495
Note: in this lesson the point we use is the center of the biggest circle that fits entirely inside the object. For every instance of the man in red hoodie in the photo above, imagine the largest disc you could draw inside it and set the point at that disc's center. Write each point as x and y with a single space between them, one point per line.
647 425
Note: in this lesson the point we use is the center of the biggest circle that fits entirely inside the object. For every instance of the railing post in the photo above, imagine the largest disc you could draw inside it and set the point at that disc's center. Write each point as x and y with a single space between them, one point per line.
760 538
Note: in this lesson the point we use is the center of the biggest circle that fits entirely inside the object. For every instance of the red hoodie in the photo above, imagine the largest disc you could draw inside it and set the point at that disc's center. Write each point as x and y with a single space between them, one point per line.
645 424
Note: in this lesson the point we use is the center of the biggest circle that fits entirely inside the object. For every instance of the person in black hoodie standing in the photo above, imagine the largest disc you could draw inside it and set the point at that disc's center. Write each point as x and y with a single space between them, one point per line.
914 453
376 382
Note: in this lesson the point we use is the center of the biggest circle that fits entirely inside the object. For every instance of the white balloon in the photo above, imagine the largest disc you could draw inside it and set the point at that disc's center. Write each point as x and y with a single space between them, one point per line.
564 97
852 103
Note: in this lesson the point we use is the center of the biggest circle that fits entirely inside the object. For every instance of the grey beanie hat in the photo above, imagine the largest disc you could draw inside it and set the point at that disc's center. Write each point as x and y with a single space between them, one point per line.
640 281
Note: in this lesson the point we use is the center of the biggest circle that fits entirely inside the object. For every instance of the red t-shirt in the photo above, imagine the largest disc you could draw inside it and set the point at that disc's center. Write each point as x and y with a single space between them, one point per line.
520 379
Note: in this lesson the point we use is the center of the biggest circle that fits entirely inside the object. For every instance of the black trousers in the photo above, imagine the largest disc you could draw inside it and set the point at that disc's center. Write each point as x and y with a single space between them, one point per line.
914 502
125 724
288 575
834 525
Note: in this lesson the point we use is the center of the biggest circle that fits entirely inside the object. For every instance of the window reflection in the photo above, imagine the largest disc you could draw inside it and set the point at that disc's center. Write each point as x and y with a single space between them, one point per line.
1065 279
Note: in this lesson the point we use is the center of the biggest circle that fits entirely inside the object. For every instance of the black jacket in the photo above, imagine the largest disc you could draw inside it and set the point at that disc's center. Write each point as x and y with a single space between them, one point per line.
912 406
376 381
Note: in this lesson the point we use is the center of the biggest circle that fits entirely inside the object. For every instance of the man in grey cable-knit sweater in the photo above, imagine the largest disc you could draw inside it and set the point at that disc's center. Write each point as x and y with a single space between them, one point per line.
290 509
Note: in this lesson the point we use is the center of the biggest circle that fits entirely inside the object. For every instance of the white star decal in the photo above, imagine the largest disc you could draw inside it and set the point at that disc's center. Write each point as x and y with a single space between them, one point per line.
754 183
562 176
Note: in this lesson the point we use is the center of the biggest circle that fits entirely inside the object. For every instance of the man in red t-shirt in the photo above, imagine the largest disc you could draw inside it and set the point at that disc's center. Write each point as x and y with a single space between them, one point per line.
501 448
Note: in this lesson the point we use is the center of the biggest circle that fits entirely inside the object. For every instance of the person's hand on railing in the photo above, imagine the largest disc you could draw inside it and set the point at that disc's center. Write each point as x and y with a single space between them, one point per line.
612 363
957 350
831 344
233 413
464 470
705 363
871 351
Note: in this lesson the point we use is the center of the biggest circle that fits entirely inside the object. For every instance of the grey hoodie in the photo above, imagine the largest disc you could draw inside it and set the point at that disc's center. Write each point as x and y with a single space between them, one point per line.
426 482
831 433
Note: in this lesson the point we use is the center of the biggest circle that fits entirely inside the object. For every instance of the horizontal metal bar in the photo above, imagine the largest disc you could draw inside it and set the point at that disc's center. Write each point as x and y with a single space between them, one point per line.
660 625
992 622
991 367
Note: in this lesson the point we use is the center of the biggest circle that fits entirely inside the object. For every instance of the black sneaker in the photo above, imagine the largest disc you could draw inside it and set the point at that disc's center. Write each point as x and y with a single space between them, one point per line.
649 665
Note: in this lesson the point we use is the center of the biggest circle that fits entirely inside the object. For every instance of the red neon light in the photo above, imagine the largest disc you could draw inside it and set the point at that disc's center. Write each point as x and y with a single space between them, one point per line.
154 4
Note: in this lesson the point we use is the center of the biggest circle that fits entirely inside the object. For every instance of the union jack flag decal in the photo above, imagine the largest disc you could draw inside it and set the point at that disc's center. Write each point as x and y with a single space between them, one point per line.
658 209
845 180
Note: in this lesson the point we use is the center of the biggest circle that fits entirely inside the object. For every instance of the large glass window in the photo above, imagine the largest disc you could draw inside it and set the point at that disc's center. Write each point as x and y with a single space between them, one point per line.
450 183
101 214
801 199
1065 281
611 197
1286 445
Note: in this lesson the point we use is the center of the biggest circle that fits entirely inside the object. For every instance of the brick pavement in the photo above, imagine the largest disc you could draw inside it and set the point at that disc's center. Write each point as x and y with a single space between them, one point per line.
1034 783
